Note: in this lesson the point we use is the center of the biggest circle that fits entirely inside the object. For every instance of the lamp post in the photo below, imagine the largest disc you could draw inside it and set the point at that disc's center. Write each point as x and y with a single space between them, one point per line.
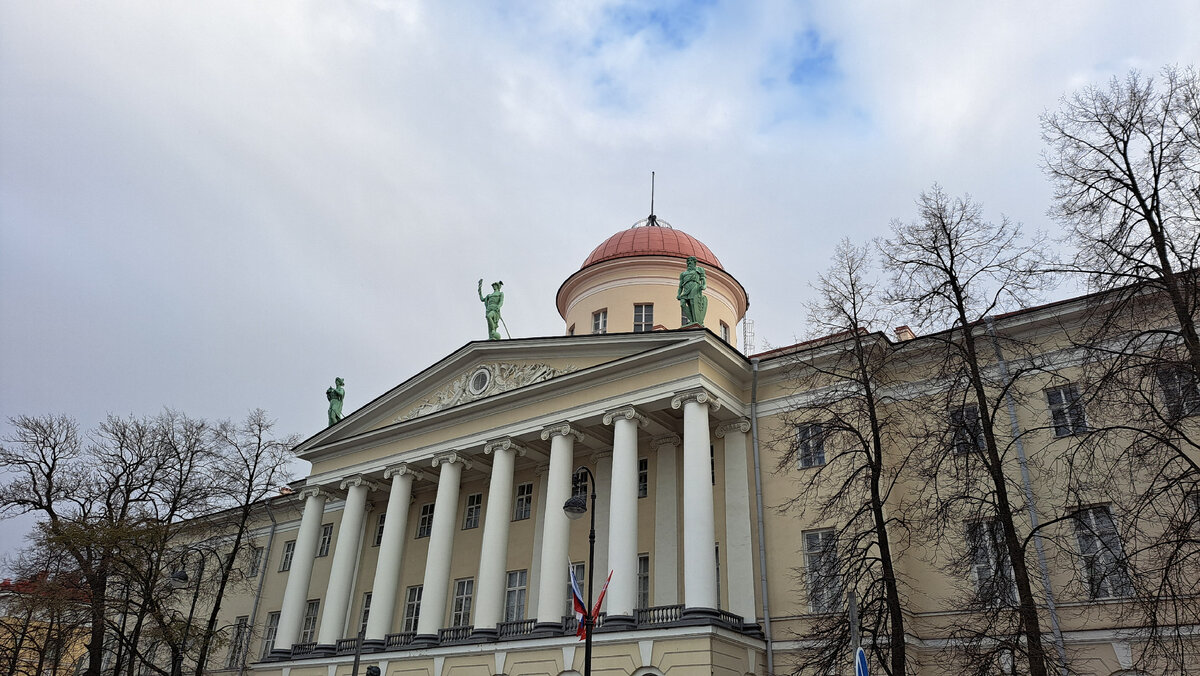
181 577
575 508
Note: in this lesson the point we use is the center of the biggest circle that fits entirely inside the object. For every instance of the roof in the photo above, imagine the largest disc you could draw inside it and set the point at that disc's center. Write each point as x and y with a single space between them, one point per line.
652 240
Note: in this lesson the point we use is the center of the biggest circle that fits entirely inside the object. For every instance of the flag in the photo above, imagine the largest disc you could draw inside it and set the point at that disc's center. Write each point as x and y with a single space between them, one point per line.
577 604
596 608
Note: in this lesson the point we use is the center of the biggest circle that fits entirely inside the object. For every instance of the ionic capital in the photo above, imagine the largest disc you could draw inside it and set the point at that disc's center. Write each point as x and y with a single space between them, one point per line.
625 413
359 480
503 444
404 469
671 440
562 429
698 395
313 492
450 458
740 425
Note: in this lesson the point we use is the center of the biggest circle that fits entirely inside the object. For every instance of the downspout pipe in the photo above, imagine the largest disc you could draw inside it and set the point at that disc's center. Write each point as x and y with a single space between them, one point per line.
758 500
262 578
1031 507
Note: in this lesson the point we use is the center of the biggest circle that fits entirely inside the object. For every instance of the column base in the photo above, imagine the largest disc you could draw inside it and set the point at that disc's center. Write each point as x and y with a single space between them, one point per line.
699 615
324 649
546 629
279 655
424 640
485 634
617 623
373 645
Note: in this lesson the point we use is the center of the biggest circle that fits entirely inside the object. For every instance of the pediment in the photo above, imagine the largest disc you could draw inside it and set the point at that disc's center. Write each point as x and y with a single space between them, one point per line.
487 379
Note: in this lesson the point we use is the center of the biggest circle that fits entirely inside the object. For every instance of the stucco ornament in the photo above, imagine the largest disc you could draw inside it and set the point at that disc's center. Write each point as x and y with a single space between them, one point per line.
484 381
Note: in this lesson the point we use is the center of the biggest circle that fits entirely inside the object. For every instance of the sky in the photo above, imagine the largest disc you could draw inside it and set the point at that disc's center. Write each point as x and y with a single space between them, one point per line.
220 206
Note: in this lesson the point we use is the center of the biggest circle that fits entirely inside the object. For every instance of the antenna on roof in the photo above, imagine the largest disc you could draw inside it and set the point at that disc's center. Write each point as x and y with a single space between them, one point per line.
652 219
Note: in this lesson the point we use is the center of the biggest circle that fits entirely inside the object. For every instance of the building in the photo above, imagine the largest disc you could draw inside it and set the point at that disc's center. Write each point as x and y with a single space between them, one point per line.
432 519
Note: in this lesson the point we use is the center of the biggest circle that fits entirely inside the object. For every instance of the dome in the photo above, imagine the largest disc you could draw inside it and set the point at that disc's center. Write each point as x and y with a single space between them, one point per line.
651 240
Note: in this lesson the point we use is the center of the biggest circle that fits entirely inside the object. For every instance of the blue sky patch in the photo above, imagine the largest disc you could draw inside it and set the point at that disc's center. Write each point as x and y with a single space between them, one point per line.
673 25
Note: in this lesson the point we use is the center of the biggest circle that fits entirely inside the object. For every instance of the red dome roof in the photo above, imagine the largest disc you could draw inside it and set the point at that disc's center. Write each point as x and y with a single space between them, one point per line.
652 241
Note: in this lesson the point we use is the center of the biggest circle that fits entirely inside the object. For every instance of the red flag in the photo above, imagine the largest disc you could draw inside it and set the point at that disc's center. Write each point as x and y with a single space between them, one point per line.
596 608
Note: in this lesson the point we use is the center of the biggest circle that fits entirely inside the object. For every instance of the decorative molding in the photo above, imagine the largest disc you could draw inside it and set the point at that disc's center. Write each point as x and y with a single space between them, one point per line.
673 440
561 429
740 425
626 413
504 444
504 376
450 458
359 480
405 469
698 395
313 491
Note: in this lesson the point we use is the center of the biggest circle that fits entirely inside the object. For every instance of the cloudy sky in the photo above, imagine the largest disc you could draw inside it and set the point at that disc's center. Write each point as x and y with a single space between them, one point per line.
216 206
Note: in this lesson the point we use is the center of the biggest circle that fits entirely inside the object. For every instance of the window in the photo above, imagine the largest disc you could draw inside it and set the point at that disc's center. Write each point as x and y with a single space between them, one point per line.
810 444
309 629
1066 411
285 559
256 557
643 581
600 321
412 608
967 427
514 595
425 523
717 552
268 641
643 317
991 568
1181 392
820 567
524 504
237 644
379 530
366 613
579 482
579 570
326 539
474 505
712 463
1103 559
643 477
724 332
463 590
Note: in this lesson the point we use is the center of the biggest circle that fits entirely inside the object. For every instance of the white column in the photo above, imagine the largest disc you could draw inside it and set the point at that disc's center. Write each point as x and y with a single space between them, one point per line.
345 558
295 593
493 554
538 516
738 545
623 513
602 464
391 552
664 567
441 544
552 589
699 532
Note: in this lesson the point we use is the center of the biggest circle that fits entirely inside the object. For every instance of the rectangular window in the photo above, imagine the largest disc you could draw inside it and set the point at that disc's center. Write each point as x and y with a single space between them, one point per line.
425 522
1066 411
326 539
268 640
600 321
474 506
821 571
579 569
643 317
366 613
412 608
643 581
379 530
712 463
1103 558
717 552
579 483
724 332
1181 391
991 568
464 589
514 595
643 477
810 445
237 643
967 427
523 506
308 630
285 559
256 559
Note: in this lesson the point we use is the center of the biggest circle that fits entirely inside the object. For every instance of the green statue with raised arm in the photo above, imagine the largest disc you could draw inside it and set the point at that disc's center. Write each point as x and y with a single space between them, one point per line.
492 303
692 284
336 395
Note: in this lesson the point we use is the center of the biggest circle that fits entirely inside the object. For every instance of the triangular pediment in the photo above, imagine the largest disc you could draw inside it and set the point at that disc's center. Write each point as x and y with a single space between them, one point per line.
486 369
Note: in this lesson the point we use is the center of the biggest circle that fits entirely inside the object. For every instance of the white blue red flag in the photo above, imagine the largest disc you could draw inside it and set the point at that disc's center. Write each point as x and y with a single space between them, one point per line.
577 604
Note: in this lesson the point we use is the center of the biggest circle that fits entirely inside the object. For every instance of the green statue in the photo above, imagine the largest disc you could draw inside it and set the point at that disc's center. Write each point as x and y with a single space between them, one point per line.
336 395
692 284
492 303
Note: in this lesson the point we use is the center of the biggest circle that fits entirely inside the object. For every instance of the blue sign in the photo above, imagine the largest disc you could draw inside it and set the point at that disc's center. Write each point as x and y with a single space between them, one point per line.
860 663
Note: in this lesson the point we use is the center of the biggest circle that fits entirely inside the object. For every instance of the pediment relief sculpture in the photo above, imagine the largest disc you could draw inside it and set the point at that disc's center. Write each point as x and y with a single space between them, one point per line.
482 381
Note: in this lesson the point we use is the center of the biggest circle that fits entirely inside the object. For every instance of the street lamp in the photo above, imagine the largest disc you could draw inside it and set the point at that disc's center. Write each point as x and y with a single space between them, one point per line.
180 577
575 507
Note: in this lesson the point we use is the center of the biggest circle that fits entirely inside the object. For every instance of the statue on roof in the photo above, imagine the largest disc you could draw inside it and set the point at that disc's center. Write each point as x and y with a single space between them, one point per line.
692 283
492 303
336 395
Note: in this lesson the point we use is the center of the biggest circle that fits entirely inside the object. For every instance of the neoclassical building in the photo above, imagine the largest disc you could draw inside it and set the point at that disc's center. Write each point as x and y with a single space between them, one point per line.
432 520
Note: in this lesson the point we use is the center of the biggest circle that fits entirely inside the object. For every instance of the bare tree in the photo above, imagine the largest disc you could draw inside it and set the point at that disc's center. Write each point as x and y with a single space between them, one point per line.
951 268
44 614
836 436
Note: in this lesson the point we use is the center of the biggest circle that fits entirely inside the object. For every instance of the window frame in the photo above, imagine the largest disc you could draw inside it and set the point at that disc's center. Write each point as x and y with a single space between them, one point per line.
326 540
412 607
600 322
966 435
523 504
425 521
643 487
256 561
379 524
643 317
580 570
1113 583
989 562
472 512
286 556
643 581
724 331
810 445
1067 417
579 483
239 643
270 629
365 613
308 628
823 598
516 594
460 606
1180 389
